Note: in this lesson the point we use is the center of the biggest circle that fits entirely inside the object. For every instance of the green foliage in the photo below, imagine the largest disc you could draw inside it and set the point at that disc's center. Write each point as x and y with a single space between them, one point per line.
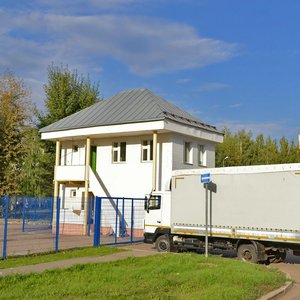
15 114
66 93
242 150
35 178
181 276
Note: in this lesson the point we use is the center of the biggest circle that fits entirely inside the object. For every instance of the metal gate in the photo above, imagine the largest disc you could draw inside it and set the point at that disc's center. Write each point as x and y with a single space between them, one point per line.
118 220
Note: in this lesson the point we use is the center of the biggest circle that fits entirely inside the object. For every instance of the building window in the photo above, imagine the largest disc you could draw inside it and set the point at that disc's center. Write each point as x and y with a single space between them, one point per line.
201 153
119 152
188 153
73 193
147 150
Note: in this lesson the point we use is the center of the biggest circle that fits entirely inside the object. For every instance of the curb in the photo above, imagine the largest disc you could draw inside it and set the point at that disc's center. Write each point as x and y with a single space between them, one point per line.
276 294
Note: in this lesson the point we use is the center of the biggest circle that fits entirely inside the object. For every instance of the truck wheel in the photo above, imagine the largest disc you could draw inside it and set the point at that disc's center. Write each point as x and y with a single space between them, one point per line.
246 252
163 244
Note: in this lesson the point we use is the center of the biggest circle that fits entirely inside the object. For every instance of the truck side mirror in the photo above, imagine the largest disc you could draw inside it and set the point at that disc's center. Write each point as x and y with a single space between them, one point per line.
146 204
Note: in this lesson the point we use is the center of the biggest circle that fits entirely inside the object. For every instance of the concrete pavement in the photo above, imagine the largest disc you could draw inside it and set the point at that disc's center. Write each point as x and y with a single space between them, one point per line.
294 271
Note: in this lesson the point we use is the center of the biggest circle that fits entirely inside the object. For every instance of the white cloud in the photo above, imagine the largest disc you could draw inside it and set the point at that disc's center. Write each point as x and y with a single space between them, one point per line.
37 90
146 45
30 41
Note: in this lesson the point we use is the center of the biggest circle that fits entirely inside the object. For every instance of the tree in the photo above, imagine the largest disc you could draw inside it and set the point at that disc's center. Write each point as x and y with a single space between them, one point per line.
15 111
66 93
35 178
271 151
242 150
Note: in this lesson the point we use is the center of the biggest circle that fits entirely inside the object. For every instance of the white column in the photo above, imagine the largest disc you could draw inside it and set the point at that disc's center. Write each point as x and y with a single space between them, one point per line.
56 183
154 162
87 183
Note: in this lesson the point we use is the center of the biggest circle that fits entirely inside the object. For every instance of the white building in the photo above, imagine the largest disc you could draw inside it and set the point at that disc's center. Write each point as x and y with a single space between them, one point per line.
126 146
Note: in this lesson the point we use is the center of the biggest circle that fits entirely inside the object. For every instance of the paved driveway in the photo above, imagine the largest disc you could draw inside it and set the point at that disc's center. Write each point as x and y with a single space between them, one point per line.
292 267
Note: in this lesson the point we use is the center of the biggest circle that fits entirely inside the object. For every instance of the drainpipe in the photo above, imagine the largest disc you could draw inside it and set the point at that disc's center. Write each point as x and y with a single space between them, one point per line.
154 162
87 183
56 183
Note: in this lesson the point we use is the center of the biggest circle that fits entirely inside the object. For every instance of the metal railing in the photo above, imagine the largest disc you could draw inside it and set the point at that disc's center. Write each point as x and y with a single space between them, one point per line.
30 225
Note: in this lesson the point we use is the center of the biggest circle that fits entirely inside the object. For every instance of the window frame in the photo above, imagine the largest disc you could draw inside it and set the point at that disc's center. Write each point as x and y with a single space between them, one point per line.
119 149
148 147
188 153
201 155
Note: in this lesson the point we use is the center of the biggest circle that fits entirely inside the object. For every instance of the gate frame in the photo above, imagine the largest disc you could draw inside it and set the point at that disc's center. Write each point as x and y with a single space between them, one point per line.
97 220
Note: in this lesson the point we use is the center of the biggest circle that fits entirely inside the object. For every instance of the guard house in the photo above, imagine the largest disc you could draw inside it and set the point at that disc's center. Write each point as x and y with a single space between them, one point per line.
125 146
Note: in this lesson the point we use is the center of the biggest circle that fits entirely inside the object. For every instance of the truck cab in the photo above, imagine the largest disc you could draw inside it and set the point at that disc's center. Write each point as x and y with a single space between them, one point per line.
157 218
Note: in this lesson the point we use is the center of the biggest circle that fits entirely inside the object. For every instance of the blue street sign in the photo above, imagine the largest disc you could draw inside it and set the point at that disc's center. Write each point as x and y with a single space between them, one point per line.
205 178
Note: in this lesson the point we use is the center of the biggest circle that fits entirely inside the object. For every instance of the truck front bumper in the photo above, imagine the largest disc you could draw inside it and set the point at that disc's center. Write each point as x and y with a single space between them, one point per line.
148 237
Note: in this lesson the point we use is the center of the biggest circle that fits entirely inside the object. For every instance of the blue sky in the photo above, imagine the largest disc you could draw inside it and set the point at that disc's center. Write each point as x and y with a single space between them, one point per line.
229 62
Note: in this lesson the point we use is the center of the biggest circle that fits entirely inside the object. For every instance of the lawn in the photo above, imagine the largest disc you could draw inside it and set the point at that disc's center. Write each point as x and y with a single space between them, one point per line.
167 276
34 259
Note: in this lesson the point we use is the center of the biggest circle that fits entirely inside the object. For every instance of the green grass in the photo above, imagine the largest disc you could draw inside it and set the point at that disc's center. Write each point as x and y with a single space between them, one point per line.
34 259
167 276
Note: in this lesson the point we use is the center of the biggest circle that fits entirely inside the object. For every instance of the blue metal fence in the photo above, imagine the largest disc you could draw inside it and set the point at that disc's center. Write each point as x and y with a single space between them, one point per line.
37 213
19 218
118 220
31 225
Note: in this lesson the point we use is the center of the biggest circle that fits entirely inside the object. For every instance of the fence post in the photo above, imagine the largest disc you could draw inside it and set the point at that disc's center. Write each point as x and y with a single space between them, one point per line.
97 221
131 225
15 207
116 225
34 200
23 213
89 216
123 219
4 253
51 209
57 223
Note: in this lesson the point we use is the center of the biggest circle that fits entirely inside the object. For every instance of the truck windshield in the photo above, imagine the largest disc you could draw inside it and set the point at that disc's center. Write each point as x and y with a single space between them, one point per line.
153 202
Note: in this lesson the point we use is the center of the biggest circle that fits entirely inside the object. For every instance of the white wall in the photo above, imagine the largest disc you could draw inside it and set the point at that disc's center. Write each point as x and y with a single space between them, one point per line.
70 156
178 152
132 178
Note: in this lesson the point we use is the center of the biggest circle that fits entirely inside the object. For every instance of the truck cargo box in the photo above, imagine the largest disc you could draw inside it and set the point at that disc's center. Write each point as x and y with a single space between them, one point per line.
253 202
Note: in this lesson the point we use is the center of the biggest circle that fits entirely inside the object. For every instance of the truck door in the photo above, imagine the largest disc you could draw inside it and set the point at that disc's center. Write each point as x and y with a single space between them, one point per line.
153 211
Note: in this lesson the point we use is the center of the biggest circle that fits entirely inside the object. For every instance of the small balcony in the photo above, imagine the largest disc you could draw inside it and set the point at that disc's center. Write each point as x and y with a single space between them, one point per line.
69 173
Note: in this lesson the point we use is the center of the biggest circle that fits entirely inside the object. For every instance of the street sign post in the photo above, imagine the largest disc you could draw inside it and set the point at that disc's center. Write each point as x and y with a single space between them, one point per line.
205 179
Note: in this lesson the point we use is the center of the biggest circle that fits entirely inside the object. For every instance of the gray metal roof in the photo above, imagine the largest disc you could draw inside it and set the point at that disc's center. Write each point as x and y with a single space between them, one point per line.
132 106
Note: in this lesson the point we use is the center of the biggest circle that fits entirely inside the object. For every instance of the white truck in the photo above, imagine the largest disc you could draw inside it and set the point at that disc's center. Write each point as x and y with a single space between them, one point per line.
254 210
